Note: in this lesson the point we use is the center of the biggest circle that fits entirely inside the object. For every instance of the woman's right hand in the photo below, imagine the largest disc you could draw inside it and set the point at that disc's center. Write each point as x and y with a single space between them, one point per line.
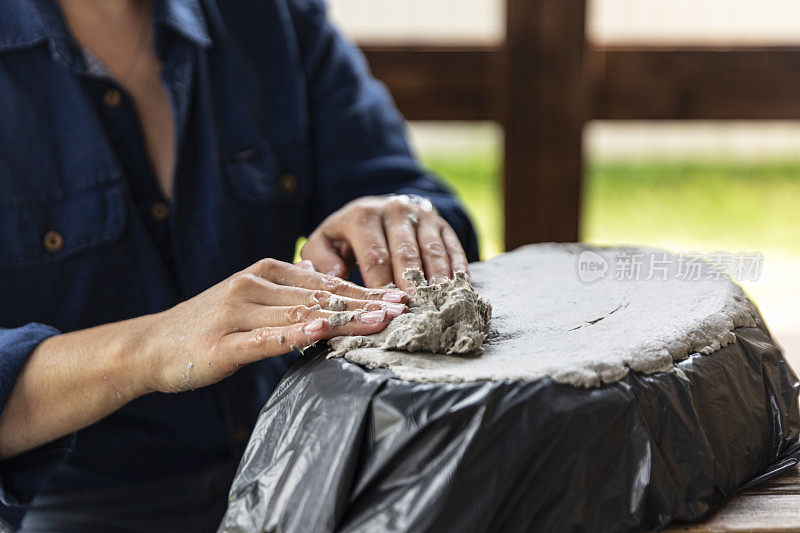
268 309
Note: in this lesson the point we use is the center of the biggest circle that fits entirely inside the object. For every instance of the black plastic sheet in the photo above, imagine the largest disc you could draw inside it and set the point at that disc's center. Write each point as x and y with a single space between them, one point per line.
341 448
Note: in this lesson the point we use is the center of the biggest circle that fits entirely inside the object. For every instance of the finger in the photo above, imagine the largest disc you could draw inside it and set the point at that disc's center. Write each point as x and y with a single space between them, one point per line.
434 253
259 316
249 346
250 288
261 343
325 257
402 238
370 248
305 264
286 275
365 323
458 258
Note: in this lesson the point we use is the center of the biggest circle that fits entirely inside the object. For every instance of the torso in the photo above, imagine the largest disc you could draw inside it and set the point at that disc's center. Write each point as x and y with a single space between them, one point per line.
125 45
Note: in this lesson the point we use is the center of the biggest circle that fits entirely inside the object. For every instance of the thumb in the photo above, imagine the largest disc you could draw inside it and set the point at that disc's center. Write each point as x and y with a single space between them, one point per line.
324 256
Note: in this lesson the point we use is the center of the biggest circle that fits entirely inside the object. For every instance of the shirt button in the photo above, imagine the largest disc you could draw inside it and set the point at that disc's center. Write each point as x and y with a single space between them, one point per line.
288 183
53 241
112 98
159 211
241 434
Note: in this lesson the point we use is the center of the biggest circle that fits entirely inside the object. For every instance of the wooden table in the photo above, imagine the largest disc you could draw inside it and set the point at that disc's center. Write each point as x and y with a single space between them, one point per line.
771 507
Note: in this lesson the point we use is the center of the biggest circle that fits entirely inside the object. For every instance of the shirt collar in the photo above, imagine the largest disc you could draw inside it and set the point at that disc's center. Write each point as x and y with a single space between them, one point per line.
25 23
185 17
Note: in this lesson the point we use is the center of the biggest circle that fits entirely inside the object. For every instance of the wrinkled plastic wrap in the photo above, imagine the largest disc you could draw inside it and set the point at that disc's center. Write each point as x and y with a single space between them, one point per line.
341 448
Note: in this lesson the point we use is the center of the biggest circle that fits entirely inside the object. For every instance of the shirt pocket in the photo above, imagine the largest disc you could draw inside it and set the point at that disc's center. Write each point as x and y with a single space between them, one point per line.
257 177
54 225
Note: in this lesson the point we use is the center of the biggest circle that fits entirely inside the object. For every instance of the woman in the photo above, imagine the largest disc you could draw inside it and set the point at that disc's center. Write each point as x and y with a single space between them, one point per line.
151 156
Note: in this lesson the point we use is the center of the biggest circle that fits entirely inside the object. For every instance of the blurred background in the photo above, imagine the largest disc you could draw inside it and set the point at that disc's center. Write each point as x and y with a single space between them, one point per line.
687 185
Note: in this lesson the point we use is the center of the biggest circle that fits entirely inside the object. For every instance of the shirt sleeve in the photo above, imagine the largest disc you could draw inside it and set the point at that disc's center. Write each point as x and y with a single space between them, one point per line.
359 138
22 476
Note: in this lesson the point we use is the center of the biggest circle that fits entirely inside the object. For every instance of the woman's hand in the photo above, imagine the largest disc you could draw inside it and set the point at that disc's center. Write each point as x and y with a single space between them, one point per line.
386 235
74 379
268 309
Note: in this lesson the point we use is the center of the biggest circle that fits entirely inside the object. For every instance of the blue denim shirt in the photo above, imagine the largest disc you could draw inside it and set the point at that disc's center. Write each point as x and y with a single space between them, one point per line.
279 124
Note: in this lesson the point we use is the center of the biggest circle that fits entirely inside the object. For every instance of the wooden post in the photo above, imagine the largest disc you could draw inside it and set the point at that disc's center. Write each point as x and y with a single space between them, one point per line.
545 113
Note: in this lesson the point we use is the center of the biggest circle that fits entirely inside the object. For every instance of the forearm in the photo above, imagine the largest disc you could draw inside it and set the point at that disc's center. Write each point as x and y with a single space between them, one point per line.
73 380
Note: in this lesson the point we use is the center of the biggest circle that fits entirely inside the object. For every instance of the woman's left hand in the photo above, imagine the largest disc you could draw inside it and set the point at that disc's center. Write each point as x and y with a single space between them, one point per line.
386 235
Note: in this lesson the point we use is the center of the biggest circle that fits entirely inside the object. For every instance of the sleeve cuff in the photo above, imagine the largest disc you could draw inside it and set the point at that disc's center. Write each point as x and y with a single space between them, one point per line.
22 476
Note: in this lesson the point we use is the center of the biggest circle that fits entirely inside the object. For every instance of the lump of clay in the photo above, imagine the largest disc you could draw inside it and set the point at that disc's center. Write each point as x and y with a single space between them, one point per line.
447 318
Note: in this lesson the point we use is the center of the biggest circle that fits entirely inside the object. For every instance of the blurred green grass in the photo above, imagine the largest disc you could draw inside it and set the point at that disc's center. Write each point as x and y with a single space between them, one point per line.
700 205
475 176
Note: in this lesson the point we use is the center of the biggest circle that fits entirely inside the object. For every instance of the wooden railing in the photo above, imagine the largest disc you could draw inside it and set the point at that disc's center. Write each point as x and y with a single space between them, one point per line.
545 82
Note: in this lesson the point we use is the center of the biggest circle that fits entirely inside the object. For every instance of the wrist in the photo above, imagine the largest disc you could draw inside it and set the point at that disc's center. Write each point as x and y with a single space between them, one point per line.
138 356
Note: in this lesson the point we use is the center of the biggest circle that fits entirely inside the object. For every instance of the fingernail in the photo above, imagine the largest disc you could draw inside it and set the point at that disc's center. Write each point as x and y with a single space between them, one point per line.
396 297
305 263
332 272
372 317
394 310
315 326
